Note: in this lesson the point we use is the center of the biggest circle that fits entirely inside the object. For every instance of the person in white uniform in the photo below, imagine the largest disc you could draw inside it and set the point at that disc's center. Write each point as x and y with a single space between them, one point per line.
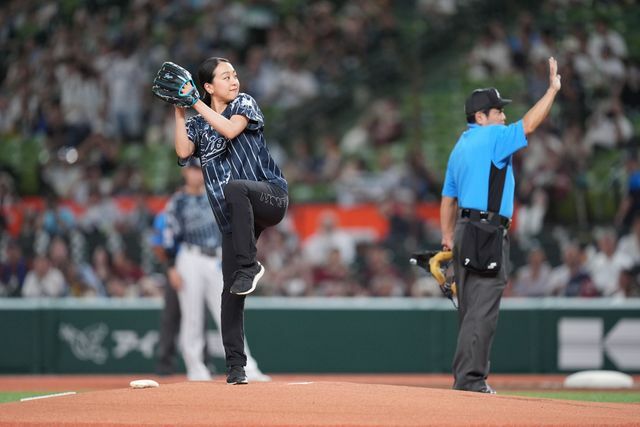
192 241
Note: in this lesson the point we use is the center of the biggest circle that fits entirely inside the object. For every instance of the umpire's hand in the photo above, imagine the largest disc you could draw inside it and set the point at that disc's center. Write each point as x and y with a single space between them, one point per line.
554 77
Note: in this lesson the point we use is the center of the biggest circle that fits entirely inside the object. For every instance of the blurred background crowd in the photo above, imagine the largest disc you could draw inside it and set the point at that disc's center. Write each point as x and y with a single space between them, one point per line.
363 103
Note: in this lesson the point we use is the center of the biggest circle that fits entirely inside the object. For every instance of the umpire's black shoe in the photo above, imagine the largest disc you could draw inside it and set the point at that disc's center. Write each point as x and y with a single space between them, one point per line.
236 376
246 279
487 389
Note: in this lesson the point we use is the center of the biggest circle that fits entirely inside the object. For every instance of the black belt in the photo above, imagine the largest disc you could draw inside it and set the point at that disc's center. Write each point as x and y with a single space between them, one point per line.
492 217
213 252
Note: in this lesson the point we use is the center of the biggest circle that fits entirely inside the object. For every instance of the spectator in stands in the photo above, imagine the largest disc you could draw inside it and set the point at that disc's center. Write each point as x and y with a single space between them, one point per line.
381 278
13 270
295 85
571 278
605 36
82 99
608 127
532 279
491 55
124 85
329 236
351 184
544 47
572 97
629 206
630 92
101 266
126 276
330 159
437 10
385 125
44 280
8 194
102 214
356 138
537 80
524 38
606 264
531 211
407 232
419 178
629 244
80 277
583 62
288 272
305 169
57 219
332 278
611 68
629 285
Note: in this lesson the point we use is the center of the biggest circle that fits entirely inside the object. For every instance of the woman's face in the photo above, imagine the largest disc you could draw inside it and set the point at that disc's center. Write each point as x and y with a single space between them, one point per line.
225 85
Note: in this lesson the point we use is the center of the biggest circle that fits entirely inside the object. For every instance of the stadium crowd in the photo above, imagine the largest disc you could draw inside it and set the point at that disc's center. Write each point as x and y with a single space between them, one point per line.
84 100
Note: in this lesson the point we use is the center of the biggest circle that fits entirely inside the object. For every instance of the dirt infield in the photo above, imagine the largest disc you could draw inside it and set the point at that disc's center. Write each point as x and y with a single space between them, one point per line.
104 382
300 400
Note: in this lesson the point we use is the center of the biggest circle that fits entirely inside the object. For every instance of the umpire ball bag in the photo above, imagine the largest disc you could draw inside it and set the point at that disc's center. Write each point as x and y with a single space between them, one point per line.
481 250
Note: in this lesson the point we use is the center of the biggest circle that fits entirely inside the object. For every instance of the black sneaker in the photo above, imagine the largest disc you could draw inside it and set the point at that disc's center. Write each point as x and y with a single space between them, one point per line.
487 389
246 279
236 376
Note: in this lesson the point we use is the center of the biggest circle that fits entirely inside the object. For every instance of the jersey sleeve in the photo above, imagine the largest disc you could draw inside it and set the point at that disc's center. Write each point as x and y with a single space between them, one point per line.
508 140
245 105
194 130
156 238
194 133
449 188
172 230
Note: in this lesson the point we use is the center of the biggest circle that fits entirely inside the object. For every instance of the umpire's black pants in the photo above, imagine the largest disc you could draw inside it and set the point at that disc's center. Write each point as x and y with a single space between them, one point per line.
169 328
253 206
478 307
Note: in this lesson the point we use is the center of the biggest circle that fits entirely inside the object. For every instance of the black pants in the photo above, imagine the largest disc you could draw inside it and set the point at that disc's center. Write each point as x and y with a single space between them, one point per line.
169 328
478 307
253 206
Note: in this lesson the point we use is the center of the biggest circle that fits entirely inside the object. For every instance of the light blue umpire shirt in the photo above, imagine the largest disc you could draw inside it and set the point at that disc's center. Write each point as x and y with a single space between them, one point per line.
469 167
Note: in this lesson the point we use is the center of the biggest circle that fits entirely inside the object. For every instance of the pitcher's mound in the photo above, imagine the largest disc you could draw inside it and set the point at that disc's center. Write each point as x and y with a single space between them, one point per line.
309 403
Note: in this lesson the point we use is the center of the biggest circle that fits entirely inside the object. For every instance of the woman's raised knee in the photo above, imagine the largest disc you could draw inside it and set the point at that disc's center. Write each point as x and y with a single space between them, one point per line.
235 188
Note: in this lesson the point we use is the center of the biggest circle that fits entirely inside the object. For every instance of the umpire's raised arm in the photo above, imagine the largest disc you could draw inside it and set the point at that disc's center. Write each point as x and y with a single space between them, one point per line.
540 110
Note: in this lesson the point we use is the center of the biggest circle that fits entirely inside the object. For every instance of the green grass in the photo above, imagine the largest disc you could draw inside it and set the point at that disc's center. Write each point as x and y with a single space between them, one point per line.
587 396
13 396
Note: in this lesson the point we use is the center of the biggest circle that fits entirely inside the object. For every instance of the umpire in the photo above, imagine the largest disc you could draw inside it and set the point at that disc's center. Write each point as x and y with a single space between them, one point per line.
475 214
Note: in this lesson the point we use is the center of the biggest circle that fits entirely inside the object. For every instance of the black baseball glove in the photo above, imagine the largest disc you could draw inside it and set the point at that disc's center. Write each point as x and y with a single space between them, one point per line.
169 83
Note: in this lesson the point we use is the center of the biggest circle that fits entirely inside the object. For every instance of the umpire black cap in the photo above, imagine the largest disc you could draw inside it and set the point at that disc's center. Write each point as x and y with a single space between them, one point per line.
484 99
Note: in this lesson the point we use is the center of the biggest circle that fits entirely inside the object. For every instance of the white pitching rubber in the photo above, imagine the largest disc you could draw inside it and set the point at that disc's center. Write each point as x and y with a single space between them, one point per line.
143 384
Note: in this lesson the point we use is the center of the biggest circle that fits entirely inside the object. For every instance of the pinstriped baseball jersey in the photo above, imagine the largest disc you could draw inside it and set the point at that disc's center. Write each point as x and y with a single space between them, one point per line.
244 157
188 219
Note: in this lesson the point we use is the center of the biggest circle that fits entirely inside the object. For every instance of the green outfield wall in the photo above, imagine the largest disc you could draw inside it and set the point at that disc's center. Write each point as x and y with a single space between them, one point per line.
325 335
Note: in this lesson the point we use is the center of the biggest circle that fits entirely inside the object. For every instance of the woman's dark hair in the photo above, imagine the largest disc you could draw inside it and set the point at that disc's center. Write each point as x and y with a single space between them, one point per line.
205 75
